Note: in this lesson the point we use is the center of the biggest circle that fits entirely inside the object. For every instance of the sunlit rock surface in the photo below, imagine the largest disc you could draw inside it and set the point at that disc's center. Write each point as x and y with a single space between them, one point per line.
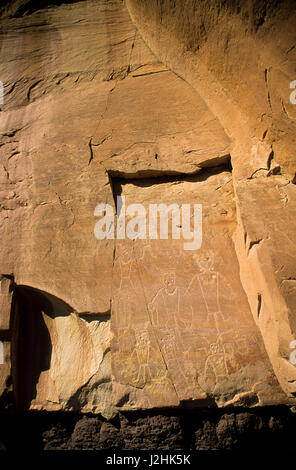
156 105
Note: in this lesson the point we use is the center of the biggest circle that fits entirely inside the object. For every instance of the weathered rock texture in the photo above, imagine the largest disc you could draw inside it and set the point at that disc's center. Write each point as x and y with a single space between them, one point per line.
182 325
265 430
240 57
150 101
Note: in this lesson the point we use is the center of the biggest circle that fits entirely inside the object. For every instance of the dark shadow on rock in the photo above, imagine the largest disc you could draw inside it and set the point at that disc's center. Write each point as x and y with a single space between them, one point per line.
146 179
31 341
27 7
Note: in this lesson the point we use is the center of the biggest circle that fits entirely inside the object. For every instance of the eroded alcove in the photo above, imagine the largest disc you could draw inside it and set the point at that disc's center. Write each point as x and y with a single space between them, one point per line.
57 354
122 111
31 342
183 332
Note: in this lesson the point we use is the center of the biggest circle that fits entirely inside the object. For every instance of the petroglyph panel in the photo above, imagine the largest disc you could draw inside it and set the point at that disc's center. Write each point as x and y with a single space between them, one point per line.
181 323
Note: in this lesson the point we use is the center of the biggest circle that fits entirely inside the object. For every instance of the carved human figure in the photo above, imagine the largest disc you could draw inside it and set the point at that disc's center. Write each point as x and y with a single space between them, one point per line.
126 311
171 312
215 370
143 354
168 307
211 286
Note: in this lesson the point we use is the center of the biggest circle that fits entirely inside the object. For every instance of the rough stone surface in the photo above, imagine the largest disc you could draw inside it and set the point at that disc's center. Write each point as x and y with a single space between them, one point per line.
153 432
156 102
263 429
6 302
182 325
240 57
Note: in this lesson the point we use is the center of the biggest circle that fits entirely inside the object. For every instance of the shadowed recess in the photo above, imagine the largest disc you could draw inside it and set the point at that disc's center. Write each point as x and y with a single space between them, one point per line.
20 8
31 342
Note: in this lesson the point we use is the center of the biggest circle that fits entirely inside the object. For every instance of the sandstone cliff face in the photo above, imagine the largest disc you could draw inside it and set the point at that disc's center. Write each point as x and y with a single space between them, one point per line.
91 113
240 57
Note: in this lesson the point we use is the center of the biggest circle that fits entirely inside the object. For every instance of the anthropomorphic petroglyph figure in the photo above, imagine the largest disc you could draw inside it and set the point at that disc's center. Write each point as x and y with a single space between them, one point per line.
147 359
171 312
211 286
169 308
143 352
127 290
181 377
215 370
